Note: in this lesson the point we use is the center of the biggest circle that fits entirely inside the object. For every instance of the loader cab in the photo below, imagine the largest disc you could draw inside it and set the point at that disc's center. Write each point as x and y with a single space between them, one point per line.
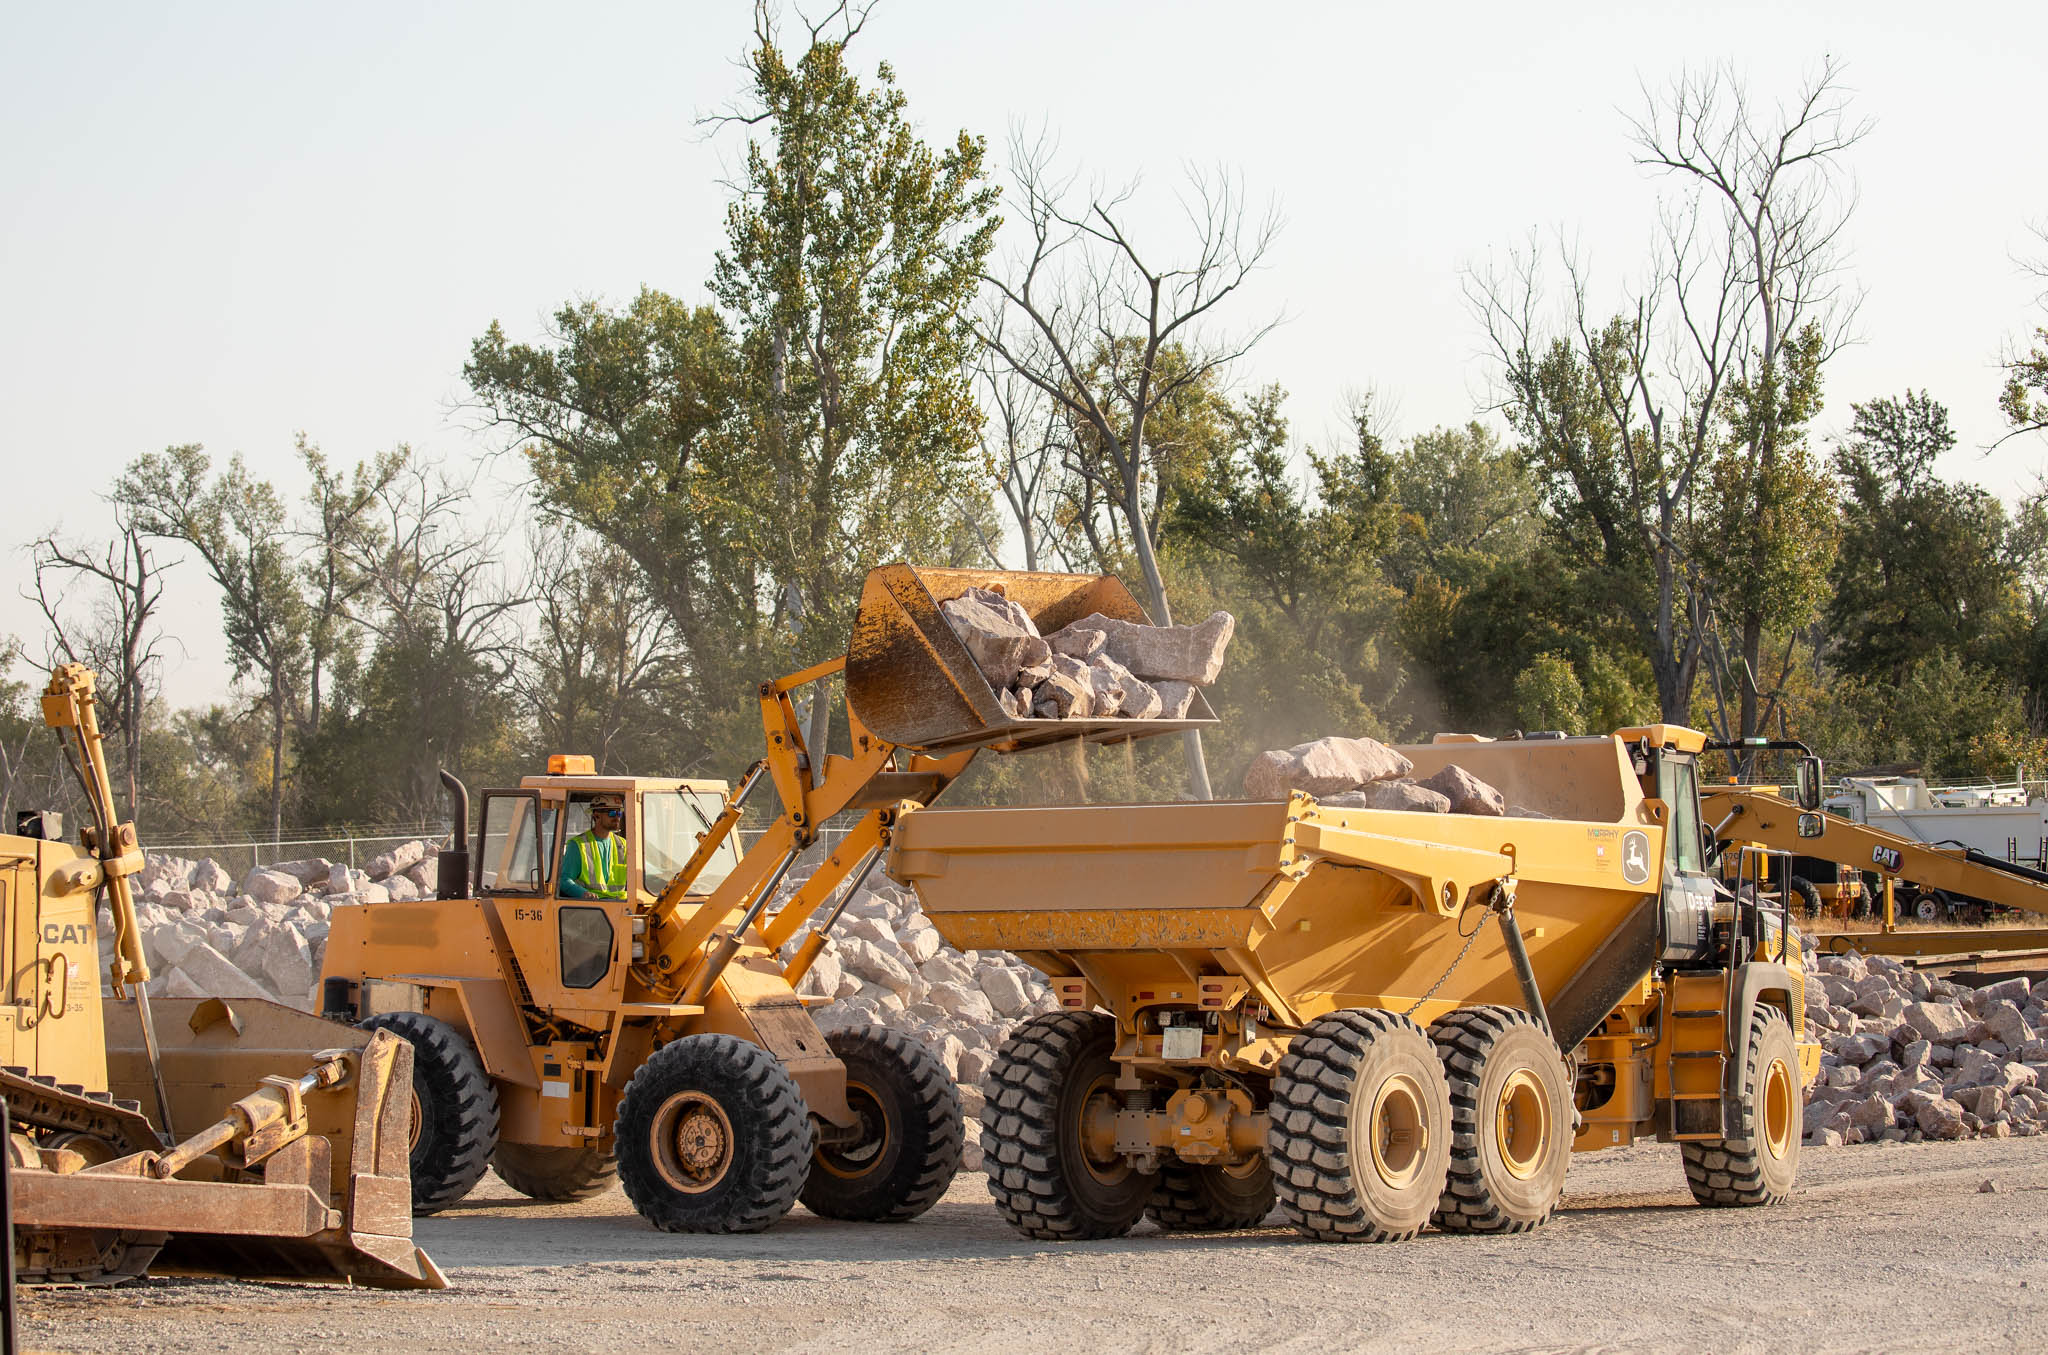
574 950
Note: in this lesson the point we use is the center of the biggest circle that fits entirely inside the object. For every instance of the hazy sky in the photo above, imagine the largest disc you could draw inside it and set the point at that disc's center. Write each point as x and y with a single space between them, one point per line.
229 223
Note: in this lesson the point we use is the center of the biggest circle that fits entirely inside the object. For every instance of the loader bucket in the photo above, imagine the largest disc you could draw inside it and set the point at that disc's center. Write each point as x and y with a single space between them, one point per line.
911 681
335 1206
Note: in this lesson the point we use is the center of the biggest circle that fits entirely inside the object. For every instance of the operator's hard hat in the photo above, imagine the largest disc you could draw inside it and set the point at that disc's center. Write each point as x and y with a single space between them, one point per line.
608 800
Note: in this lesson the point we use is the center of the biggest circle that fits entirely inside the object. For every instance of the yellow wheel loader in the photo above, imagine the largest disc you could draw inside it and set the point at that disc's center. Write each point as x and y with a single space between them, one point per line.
134 1149
581 1009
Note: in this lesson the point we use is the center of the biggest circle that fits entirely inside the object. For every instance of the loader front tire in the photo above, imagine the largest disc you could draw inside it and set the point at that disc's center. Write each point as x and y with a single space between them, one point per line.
1511 1121
1210 1198
712 1137
555 1173
1361 1137
1051 1177
1760 1162
911 1131
455 1110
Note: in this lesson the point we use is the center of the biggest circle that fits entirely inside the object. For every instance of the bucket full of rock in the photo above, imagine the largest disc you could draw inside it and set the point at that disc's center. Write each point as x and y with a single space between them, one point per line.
950 659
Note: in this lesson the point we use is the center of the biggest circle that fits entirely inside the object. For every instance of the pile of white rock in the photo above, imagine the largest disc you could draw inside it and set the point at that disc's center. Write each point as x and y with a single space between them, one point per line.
885 964
207 936
1908 1057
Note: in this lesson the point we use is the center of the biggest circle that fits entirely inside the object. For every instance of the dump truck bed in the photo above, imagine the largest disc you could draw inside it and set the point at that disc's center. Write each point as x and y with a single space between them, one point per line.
1315 908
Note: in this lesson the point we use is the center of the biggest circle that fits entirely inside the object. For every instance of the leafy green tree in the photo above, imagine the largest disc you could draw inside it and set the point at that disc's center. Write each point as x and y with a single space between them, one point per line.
1467 503
1924 567
1548 695
628 420
853 255
1296 561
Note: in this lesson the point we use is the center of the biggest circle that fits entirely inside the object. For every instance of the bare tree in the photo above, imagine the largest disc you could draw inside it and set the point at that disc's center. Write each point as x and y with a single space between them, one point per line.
440 607
1111 332
603 642
119 640
1669 430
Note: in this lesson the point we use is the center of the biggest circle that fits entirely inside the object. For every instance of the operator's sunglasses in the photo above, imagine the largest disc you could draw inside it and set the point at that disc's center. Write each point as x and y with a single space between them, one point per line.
614 810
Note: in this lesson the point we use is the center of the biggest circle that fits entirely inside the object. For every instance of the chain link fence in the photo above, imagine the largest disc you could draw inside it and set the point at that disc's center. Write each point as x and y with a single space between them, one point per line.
348 849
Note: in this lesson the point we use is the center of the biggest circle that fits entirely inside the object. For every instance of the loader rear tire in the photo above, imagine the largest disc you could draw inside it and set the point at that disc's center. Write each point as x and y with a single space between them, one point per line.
1511 1118
712 1137
911 1131
1361 1138
455 1127
1759 1164
1046 1178
1208 1198
555 1173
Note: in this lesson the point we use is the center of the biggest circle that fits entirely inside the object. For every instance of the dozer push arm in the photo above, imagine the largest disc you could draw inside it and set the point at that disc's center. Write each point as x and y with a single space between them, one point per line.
1758 816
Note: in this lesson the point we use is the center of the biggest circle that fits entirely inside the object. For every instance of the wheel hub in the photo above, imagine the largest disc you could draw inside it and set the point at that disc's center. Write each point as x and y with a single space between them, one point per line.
868 1145
1521 1124
1397 1132
693 1142
1778 1111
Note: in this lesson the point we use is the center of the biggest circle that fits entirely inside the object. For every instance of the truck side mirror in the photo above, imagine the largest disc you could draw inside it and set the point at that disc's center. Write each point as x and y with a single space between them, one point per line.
1812 824
1809 785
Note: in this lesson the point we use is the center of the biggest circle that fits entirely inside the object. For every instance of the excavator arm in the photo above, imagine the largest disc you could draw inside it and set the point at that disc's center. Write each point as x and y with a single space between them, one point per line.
1748 814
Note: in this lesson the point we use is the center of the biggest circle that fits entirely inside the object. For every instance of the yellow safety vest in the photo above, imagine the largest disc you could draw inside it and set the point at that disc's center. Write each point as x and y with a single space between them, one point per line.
603 865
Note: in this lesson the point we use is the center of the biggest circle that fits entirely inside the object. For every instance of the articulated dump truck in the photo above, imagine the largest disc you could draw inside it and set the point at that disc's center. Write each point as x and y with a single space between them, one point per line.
1380 1018
274 1143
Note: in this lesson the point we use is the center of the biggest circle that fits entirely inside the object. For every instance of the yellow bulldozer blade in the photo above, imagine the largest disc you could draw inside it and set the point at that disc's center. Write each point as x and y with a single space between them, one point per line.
336 1204
911 681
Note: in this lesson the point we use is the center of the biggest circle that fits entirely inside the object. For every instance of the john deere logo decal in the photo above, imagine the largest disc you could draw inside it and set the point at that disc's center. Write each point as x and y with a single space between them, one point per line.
1635 858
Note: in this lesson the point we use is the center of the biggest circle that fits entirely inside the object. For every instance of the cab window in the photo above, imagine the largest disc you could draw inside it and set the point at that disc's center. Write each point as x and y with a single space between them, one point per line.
1684 847
671 822
515 827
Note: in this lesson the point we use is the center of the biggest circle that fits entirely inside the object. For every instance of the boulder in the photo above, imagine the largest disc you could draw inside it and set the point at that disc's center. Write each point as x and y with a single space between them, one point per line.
997 633
1067 693
2006 1025
1322 767
1940 1022
961 1003
1466 792
215 975
1390 795
212 877
1176 699
1118 690
287 964
1078 642
307 871
1005 991
402 857
267 885
1183 653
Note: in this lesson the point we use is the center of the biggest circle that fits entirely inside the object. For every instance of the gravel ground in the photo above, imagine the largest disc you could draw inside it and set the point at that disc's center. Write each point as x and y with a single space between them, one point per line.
1893 1247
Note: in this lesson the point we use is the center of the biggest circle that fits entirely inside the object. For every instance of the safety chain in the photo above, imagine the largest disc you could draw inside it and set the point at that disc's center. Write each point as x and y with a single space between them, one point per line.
1493 905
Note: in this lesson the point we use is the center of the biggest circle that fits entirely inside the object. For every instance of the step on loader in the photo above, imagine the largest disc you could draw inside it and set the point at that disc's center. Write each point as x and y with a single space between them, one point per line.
581 1014
188 1136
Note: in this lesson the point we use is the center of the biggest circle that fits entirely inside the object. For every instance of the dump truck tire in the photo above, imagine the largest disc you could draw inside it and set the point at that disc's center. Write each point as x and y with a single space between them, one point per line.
1207 1198
712 1137
912 1131
1361 1139
551 1173
1511 1118
455 1129
1759 1164
1808 894
1040 1172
